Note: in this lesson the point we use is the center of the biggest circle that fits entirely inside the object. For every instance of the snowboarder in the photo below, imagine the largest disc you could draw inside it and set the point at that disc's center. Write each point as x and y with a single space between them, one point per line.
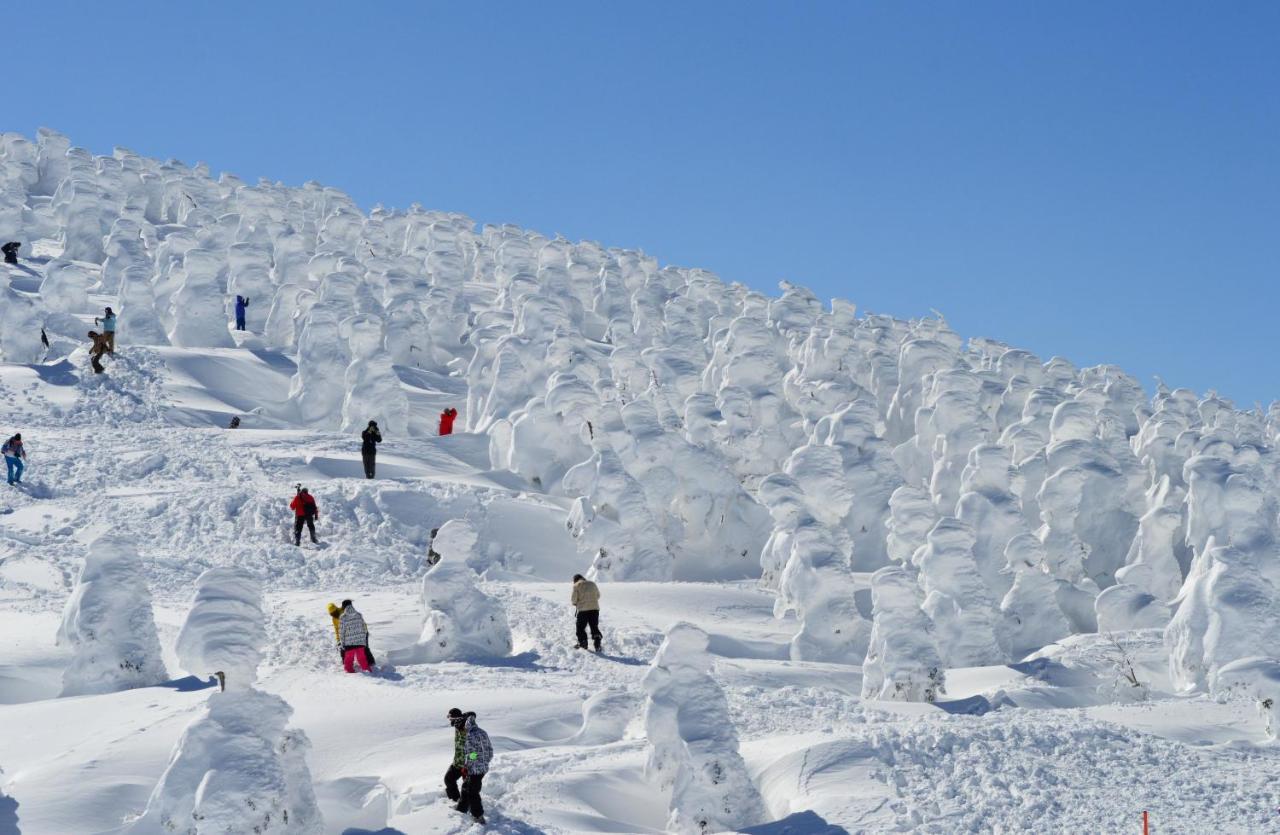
241 303
433 556
353 638
13 457
446 420
472 753
305 513
96 351
108 322
370 438
586 602
10 251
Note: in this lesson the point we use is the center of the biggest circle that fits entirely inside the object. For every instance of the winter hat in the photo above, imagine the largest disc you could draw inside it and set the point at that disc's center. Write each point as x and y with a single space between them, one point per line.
454 713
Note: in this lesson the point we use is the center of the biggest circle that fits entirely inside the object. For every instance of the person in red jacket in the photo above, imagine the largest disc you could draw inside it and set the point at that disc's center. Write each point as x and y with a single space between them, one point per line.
305 512
446 420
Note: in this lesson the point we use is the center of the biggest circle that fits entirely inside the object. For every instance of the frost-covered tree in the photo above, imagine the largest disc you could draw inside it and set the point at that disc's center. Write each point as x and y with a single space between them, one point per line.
1033 616
108 624
902 662
462 622
237 768
818 586
912 516
956 599
224 630
373 391
693 742
615 516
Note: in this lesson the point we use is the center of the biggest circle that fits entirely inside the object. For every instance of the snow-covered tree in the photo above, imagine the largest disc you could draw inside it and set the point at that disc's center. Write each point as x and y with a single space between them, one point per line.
224 630
1033 617
902 662
956 599
462 622
108 624
693 742
236 768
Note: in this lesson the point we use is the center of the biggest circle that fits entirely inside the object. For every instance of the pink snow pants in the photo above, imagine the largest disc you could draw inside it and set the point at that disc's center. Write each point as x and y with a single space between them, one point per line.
351 656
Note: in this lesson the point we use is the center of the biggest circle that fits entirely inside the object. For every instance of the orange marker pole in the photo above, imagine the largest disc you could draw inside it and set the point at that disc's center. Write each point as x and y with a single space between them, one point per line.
1144 824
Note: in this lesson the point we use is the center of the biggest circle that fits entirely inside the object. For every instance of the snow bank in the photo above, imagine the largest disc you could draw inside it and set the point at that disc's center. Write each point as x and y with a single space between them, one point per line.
224 630
108 624
693 743
1256 678
236 768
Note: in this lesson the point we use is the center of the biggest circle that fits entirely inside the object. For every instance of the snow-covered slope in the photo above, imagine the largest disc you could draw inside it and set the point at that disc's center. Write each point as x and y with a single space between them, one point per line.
1078 583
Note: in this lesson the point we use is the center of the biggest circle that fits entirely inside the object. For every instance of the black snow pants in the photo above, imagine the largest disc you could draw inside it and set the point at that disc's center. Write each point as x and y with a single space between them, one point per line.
470 801
298 522
451 783
591 619
370 460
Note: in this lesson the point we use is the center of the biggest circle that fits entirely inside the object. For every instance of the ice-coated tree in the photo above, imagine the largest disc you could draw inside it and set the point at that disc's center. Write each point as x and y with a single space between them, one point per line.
108 624
912 516
693 744
1033 617
819 587
237 768
224 630
956 599
462 622
902 662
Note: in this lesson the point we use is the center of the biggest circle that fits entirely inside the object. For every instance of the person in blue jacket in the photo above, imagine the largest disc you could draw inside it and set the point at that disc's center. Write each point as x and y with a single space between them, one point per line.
108 321
241 303
13 455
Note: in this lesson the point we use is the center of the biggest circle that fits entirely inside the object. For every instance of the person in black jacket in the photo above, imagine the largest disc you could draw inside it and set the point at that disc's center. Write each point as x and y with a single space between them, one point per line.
370 439
10 251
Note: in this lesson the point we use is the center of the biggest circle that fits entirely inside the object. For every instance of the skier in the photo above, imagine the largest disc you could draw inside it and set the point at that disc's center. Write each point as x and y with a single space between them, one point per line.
353 638
472 753
96 351
13 456
305 513
241 303
108 321
446 420
10 251
586 602
370 438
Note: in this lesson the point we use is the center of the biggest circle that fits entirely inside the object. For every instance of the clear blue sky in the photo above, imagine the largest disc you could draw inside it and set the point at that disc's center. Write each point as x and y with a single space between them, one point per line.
1098 180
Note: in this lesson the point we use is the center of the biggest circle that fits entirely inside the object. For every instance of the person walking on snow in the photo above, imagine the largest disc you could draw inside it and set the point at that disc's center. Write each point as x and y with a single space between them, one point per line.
241 303
353 637
108 321
471 748
306 513
96 350
10 251
335 614
446 420
586 602
13 456
369 440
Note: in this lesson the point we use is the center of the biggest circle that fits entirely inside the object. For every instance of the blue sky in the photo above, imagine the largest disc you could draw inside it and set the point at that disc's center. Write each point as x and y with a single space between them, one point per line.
1096 180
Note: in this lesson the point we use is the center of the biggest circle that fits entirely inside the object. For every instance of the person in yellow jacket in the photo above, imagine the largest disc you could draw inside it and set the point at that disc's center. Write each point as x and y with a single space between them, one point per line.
586 603
335 612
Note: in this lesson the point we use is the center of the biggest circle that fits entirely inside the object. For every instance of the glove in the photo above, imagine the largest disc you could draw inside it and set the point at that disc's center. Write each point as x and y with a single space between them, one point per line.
463 769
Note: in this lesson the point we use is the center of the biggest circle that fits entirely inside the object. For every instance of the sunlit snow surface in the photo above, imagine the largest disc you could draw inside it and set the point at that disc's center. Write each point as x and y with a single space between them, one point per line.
1063 591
